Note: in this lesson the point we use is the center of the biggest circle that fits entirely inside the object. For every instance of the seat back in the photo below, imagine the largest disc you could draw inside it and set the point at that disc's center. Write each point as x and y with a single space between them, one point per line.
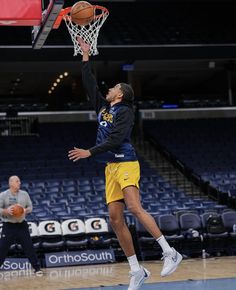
33 229
190 221
73 227
168 224
96 225
49 228
229 219
141 230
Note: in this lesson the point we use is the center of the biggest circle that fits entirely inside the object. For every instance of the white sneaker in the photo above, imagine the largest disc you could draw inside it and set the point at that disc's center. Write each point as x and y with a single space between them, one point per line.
138 278
171 262
38 272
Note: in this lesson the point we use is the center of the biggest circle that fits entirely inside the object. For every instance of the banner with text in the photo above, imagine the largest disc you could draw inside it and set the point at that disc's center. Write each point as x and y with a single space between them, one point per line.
11 264
79 258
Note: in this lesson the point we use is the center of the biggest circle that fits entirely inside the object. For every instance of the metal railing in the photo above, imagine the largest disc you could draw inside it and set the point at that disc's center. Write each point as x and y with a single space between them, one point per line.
18 126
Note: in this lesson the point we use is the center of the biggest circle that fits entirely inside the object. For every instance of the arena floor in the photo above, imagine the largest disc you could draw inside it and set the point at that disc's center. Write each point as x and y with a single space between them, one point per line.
194 274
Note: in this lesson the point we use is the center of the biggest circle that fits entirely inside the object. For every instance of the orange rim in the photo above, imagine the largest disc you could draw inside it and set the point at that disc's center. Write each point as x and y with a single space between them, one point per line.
67 10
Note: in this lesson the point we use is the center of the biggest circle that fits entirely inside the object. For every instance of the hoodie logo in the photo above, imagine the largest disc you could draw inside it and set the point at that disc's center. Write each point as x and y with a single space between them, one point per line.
107 116
119 155
103 123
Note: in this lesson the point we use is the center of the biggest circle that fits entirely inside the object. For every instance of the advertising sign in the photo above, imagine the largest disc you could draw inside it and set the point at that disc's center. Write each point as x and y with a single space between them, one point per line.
60 259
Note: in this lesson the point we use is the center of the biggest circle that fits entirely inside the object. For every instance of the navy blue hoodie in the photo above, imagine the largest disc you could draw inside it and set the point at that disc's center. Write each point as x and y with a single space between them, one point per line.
115 123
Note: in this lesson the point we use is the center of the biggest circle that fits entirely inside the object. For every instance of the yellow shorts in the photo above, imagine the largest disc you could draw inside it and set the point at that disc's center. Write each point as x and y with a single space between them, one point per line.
120 175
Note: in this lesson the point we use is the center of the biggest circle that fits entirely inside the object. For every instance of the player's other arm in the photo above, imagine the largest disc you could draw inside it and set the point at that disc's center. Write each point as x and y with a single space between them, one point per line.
29 207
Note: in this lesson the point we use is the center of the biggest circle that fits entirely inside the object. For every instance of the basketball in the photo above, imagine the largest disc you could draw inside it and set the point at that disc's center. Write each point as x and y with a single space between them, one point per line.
82 13
18 210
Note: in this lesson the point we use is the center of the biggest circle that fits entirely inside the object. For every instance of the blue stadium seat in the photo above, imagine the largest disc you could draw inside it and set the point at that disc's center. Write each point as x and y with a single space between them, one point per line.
192 244
169 226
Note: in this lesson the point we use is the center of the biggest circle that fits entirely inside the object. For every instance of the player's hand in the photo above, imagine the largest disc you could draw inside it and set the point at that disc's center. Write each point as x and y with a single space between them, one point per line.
10 210
77 154
84 46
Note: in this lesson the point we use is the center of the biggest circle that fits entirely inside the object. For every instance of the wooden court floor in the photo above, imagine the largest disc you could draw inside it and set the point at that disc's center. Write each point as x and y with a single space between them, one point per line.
114 274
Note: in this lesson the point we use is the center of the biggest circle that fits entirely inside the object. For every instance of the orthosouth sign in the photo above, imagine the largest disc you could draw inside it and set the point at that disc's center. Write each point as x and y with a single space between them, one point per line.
11 264
60 259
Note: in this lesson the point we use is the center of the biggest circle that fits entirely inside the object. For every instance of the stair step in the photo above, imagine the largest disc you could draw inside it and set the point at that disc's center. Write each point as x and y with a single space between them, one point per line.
166 169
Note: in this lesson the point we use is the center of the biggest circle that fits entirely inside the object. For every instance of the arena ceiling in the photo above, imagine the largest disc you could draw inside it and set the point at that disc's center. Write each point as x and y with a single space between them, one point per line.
27 73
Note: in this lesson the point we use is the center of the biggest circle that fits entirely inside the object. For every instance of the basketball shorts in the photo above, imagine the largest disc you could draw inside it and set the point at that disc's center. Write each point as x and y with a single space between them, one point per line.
118 176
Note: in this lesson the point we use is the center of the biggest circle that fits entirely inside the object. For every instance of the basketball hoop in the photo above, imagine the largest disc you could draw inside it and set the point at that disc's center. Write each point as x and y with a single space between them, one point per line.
88 33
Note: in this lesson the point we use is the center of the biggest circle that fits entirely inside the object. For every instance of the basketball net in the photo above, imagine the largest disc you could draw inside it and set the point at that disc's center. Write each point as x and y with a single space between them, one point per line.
88 33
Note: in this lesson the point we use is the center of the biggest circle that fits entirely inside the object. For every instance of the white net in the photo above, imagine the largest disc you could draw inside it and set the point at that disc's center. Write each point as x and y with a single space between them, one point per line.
88 33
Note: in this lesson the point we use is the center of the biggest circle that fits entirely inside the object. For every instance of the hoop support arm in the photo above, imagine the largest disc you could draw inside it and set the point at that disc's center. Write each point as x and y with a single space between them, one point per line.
63 12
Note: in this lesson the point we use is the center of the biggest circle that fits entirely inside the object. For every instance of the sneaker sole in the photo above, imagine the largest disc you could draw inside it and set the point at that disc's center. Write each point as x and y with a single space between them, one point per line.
179 259
144 279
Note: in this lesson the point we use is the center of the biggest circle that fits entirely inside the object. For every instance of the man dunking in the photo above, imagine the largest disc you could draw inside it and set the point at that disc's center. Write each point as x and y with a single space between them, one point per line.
116 120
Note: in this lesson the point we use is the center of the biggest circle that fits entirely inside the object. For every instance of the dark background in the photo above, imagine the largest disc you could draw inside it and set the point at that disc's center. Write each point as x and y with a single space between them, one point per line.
171 51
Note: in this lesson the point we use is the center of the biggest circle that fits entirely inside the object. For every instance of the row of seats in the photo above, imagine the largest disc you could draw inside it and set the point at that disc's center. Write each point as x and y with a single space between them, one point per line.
46 156
145 104
50 235
188 232
38 107
75 197
208 151
209 147
190 103
86 196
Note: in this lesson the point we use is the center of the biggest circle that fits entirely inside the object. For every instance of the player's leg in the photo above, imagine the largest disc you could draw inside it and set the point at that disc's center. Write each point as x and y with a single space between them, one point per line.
171 257
120 228
6 240
129 174
115 200
27 246
116 206
138 273
132 201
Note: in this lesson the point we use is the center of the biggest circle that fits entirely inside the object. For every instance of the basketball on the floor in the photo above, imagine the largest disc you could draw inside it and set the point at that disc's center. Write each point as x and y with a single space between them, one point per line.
18 210
82 13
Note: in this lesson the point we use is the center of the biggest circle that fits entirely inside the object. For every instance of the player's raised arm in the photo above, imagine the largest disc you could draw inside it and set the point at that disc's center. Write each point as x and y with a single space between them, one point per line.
89 80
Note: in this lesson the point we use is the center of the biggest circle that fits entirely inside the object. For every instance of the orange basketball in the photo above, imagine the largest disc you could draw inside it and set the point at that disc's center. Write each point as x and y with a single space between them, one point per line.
82 13
18 210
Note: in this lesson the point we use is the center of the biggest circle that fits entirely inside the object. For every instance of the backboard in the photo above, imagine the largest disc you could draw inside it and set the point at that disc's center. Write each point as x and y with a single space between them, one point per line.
20 12
49 16
39 14
45 15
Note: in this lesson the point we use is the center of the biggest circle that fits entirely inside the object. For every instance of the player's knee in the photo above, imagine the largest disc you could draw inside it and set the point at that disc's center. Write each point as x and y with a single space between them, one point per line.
136 210
116 221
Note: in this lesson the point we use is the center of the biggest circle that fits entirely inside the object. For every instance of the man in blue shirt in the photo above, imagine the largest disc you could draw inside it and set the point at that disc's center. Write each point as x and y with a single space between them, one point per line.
116 120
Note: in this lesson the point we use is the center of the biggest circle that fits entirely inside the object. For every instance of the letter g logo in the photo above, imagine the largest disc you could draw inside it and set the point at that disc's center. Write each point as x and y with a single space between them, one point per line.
96 225
50 227
73 226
